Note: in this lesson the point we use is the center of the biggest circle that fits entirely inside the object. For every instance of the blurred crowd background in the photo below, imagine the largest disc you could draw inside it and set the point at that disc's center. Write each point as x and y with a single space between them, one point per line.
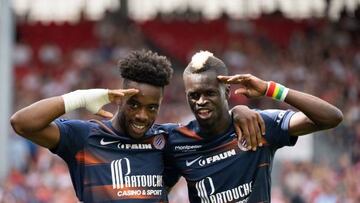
315 55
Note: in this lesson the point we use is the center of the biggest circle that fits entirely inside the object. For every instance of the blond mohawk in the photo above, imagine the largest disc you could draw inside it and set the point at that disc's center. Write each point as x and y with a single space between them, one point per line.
199 59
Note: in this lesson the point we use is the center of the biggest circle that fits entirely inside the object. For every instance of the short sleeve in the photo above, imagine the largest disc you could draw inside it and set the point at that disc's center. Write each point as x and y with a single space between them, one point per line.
277 127
73 134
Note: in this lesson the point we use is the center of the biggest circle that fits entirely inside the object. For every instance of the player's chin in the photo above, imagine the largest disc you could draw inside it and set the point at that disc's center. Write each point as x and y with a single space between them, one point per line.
205 121
137 131
137 135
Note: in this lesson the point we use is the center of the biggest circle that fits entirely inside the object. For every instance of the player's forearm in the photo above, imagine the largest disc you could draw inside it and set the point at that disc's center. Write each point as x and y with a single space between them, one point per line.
323 114
37 116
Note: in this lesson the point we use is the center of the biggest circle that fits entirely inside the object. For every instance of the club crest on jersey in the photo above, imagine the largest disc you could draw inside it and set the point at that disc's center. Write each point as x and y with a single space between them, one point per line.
159 142
242 145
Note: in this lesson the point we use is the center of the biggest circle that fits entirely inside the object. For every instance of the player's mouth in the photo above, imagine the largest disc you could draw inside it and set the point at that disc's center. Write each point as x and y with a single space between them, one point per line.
204 113
138 128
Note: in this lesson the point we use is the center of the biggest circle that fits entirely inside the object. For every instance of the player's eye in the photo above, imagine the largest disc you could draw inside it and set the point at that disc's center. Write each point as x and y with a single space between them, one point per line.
211 93
194 95
153 108
133 104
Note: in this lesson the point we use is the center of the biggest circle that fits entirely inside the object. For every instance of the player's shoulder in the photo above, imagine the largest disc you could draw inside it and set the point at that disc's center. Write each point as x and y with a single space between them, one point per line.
274 114
192 125
190 131
176 127
73 123
88 127
74 129
165 127
269 112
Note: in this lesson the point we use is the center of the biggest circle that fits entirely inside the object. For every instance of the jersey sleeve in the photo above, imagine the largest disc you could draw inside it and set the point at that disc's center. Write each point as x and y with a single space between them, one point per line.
73 135
277 127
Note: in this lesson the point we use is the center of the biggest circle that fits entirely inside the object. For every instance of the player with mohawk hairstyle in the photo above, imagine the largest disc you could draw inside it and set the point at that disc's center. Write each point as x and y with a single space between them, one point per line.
218 168
199 59
203 61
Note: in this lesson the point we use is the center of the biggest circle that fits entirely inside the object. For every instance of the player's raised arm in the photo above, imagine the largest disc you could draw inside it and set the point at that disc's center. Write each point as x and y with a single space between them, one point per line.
35 122
314 113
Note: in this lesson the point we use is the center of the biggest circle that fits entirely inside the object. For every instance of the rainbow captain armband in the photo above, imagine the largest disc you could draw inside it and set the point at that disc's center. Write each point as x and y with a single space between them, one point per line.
276 91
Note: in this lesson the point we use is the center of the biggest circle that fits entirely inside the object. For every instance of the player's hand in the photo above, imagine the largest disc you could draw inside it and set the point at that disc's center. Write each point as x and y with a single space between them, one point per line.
116 97
251 86
249 126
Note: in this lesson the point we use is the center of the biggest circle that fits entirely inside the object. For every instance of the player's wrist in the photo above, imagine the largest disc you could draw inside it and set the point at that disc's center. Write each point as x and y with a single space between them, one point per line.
92 100
276 91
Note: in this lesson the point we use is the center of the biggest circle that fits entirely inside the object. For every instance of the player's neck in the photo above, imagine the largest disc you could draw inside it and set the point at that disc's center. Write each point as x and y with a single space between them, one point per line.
220 127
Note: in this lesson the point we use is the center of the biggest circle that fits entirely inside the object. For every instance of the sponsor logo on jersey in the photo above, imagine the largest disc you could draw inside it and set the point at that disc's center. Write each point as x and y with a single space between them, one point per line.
211 159
206 191
103 142
189 163
134 146
133 185
187 148
159 142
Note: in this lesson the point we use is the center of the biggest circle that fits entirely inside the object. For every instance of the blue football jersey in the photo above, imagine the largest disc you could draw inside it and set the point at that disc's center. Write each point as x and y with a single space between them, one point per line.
220 169
108 166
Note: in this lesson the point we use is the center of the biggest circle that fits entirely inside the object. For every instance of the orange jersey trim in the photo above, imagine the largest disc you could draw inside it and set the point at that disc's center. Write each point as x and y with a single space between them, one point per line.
189 133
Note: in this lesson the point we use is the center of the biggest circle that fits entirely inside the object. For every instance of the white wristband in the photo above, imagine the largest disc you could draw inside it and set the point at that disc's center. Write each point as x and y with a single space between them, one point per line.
92 100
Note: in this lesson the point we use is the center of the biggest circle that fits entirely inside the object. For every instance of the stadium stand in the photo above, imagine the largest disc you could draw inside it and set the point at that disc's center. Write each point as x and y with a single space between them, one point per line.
314 55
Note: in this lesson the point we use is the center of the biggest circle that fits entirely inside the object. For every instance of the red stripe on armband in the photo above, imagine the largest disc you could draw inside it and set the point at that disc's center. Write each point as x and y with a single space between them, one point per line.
271 89
276 91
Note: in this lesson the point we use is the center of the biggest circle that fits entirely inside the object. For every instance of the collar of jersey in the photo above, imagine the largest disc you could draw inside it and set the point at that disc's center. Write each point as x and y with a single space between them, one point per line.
194 126
148 133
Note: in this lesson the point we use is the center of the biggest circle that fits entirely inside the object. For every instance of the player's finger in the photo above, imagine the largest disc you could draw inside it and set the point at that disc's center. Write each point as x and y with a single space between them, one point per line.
257 131
246 134
117 96
114 93
104 114
236 78
241 90
252 134
130 92
230 79
238 133
223 78
123 92
262 126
